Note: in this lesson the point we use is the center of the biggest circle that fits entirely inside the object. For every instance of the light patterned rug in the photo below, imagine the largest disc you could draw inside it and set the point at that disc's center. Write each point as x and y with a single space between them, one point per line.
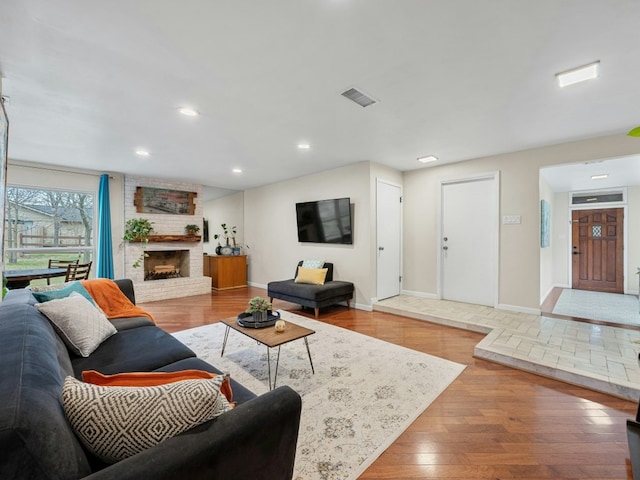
608 307
364 393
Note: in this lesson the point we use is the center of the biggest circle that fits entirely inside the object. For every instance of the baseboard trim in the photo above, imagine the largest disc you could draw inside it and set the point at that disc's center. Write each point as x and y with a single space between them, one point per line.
413 293
518 309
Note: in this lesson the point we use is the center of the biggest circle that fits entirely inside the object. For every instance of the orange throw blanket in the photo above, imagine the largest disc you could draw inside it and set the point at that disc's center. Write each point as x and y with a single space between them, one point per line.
111 300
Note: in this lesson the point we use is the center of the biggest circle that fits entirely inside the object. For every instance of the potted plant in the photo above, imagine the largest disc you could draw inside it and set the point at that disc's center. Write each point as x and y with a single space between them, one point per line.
138 230
192 229
259 308
227 233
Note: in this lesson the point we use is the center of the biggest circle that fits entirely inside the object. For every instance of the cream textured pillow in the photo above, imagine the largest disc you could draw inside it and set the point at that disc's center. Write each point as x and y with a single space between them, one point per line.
314 276
80 324
118 422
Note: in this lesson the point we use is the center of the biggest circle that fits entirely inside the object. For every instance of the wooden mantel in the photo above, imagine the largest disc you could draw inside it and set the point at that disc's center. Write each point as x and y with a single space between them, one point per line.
172 238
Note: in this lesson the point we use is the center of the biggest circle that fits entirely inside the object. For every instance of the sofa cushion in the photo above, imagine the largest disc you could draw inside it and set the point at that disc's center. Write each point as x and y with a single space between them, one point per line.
35 439
151 379
313 276
117 422
80 324
131 322
241 394
141 349
316 293
19 296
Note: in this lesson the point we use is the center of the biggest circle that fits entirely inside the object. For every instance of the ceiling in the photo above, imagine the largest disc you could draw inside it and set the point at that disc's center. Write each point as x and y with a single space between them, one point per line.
91 81
620 172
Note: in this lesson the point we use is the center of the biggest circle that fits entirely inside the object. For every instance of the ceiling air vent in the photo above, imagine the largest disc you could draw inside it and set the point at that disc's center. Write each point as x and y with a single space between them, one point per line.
360 98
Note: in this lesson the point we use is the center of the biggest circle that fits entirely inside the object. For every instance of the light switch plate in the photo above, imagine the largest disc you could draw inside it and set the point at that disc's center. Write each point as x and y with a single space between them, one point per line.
511 219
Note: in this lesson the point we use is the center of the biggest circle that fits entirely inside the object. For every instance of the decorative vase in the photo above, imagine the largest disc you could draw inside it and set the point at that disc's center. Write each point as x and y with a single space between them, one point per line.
259 316
219 250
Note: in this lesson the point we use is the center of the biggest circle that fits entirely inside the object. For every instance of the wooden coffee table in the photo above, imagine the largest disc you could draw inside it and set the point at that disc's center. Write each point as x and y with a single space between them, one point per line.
269 337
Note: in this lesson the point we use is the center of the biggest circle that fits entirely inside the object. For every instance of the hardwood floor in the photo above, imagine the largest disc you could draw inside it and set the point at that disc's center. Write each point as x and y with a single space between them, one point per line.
493 422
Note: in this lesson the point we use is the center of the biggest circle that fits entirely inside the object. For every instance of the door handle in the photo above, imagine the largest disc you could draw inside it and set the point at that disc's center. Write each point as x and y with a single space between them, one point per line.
445 248
576 253
380 248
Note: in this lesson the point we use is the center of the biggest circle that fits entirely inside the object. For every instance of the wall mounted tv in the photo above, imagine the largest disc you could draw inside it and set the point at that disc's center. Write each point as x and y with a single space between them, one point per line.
325 221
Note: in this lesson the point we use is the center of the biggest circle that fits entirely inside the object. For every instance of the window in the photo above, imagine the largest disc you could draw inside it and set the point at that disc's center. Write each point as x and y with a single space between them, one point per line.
43 224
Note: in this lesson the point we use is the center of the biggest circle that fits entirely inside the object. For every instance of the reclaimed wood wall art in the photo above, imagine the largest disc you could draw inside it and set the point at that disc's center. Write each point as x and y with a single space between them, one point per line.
161 200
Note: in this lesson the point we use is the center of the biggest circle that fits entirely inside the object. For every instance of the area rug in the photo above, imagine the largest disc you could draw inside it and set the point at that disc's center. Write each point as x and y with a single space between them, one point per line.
606 307
365 392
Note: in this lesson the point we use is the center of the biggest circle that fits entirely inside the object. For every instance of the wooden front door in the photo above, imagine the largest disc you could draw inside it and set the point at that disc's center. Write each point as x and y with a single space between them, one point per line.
597 244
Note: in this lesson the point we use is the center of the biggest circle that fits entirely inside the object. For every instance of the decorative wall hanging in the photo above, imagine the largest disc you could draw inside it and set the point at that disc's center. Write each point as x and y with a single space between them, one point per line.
545 224
160 200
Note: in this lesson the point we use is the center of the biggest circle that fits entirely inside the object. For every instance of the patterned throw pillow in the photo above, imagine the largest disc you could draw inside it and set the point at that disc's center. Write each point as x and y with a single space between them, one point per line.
79 323
117 422
312 263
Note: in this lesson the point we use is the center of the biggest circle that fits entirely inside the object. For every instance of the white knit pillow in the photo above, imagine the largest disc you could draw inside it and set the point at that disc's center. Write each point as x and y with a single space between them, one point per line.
117 422
81 325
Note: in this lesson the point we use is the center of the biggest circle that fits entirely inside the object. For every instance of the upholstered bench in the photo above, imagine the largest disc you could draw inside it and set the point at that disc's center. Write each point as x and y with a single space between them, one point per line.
310 295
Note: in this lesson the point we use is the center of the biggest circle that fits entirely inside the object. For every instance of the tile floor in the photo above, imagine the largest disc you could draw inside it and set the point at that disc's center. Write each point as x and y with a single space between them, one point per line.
598 357
609 307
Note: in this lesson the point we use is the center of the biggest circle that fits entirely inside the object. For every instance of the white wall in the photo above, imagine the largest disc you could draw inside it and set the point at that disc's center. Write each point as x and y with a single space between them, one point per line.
546 254
270 228
228 210
270 225
561 240
519 284
633 239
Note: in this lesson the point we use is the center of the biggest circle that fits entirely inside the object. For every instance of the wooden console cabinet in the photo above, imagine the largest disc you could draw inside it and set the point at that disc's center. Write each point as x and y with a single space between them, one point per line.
226 271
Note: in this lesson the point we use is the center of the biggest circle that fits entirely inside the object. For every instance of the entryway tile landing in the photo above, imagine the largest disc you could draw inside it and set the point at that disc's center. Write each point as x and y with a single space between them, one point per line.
598 357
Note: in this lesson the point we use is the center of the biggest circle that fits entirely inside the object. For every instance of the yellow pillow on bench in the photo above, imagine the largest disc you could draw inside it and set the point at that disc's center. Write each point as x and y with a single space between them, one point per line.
314 276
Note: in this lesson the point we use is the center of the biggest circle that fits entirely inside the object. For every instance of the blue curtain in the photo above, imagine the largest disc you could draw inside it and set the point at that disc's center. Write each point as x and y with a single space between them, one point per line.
105 247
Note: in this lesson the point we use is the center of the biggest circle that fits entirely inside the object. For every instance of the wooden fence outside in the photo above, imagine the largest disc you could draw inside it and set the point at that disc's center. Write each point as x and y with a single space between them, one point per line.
49 241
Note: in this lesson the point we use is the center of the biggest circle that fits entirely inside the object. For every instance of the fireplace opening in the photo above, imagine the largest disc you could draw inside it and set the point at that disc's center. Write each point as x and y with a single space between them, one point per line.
163 264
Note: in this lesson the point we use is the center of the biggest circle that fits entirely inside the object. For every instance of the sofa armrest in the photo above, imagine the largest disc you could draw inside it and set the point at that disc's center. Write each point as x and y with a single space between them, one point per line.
255 440
126 286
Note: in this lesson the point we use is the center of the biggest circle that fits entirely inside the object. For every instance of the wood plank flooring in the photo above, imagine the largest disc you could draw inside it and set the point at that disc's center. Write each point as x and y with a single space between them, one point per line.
493 422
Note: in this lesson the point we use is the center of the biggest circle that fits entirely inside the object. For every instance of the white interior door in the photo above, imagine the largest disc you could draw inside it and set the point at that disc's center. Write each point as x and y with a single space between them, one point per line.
469 241
388 214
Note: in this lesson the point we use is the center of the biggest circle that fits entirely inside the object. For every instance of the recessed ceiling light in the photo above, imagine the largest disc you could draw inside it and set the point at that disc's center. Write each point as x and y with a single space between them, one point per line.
599 177
428 159
142 153
580 74
304 146
237 170
189 112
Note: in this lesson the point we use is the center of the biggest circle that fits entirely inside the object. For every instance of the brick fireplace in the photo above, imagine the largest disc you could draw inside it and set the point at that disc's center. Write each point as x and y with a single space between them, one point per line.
163 264
185 257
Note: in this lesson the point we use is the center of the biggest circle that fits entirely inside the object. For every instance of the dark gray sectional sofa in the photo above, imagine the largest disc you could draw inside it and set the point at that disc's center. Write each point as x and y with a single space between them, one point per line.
256 440
312 296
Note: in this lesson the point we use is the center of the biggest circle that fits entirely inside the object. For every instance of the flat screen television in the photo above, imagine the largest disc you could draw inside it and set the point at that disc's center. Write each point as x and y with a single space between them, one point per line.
325 221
